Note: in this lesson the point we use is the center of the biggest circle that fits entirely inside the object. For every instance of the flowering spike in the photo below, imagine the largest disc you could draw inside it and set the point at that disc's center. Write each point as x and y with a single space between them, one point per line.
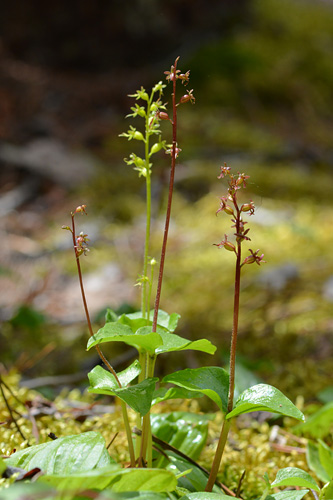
80 209
224 171
81 246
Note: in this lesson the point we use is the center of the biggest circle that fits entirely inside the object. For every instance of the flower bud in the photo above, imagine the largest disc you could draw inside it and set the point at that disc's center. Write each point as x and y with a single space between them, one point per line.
249 260
80 209
228 210
163 115
138 136
247 207
185 98
229 246
156 148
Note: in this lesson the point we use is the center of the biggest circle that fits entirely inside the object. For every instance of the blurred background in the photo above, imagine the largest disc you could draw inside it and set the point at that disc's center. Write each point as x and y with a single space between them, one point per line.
262 76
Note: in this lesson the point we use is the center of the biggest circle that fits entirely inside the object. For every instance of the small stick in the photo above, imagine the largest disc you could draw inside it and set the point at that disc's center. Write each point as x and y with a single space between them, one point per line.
110 443
10 411
240 483
101 355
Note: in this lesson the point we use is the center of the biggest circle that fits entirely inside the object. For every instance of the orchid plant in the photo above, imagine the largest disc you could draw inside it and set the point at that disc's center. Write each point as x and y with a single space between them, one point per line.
151 331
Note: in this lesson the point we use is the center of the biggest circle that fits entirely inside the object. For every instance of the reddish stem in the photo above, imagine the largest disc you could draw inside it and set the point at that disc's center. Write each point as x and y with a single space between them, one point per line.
168 213
232 361
85 305
100 353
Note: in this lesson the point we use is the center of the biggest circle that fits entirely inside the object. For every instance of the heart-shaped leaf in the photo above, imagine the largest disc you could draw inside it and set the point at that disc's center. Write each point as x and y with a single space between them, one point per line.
172 342
263 397
319 424
138 397
202 495
293 476
102 381
116 479
143 338
287 495
165 393
65 455
165 320
180 431
319 458
212 381
327 491
30 491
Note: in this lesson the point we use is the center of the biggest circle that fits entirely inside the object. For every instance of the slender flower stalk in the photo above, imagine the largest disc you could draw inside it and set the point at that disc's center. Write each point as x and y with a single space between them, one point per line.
235 211
80 247
172 76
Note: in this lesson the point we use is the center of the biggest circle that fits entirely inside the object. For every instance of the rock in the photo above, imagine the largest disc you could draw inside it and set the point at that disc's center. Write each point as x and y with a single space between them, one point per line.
51 159
279 277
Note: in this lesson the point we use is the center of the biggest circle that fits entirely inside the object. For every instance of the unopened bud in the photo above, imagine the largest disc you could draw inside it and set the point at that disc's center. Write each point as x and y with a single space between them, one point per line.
81 209
249 260
228 210
185 98
229 246
247 207
138 136
163 115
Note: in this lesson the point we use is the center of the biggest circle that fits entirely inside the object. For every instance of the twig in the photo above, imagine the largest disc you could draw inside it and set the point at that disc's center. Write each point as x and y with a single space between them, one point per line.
10 411
110 443
287 449
240 484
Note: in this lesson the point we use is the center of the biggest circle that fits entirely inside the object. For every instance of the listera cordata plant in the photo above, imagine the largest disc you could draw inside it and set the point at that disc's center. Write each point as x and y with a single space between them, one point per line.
154 335
153 112
135 386
262 396
80 246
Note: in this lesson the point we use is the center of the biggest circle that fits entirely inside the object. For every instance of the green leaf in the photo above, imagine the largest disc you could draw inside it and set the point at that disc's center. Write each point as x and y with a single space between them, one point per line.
172 343
314 462
29 491
212 381
181 431
326 458
115 478
195 480
3 466
327 491
65 455
326 395
134 495
165 393
143 495
165 320
287 495
144 338
264 397
202 495
293 476
110 316
138 397
158 480
102 381
319 424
